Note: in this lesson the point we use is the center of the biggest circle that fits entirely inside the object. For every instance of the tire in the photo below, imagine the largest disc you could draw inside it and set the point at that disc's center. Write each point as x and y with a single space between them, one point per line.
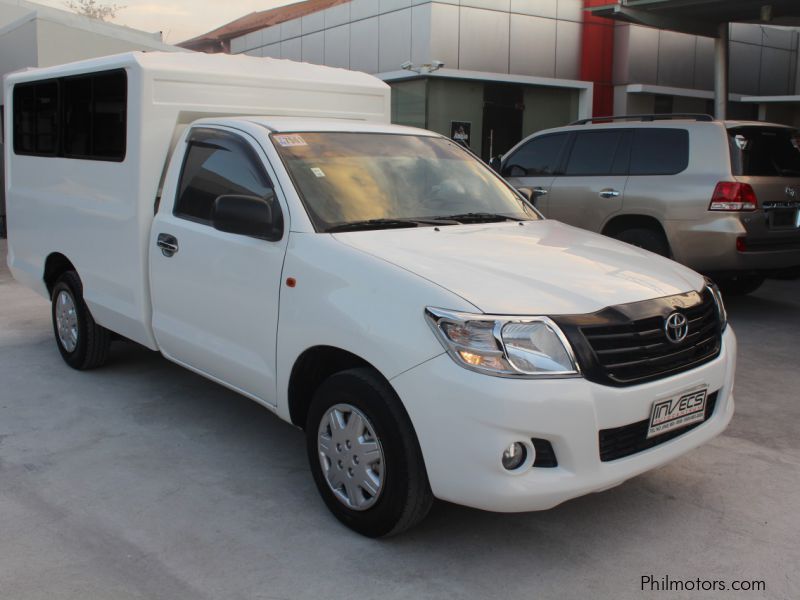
741 285
647 239
403 496
83 343
785 274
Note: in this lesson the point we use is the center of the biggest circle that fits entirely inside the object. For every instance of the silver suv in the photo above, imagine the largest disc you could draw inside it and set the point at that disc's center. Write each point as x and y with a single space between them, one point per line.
722 197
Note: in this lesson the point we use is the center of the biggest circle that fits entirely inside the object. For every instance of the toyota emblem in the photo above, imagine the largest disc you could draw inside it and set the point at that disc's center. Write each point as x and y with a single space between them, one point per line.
791 192
676 327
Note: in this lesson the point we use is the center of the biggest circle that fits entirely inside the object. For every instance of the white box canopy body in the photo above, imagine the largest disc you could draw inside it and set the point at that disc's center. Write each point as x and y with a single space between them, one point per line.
98 211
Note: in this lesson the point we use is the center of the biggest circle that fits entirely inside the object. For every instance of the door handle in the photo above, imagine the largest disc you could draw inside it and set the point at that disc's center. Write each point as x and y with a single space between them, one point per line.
609 193
540 191
168 244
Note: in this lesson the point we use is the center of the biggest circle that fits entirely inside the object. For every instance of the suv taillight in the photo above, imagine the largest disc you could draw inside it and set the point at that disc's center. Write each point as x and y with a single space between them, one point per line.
733 197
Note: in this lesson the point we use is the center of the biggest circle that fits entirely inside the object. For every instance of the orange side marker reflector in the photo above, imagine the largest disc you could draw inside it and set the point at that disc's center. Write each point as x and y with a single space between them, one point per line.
291 282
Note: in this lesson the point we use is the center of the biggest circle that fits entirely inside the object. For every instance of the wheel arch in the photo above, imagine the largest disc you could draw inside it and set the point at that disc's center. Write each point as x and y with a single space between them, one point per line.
313 367
55 266
620 223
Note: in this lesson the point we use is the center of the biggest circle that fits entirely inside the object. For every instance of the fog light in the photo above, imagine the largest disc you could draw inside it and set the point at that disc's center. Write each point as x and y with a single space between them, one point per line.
514 456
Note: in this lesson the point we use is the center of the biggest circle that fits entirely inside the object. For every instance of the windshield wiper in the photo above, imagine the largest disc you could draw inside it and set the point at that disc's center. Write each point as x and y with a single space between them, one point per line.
373 224
478 217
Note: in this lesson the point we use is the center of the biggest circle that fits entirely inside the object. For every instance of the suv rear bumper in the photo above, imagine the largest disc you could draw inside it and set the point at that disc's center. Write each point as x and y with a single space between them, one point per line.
709 246
464 421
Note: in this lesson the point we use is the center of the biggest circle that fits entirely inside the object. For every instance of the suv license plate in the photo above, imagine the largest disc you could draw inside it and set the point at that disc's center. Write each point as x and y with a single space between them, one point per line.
678 411
784 218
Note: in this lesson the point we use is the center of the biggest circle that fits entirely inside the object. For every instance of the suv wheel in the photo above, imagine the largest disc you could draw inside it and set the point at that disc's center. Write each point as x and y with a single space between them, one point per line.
83 343
741 285
364 455
647 239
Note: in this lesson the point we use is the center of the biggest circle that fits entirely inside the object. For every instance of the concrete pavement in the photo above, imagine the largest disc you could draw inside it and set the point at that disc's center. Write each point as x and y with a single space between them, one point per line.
142 480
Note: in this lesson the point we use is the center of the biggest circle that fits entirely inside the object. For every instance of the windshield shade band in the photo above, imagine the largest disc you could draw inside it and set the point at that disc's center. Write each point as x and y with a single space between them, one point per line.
438 317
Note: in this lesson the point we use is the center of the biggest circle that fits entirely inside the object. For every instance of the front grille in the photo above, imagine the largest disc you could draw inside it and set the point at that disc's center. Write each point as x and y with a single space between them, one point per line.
640 349
627 344
629 439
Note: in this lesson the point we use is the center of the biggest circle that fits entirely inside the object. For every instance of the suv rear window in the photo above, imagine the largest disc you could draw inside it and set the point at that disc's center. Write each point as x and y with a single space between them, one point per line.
659 151
765 151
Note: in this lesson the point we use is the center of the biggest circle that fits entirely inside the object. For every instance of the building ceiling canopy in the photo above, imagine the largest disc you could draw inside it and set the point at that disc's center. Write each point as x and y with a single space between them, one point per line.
702 17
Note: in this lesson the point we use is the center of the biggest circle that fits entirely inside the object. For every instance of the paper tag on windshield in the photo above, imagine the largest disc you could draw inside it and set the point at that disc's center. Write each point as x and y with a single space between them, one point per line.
318 172
290 140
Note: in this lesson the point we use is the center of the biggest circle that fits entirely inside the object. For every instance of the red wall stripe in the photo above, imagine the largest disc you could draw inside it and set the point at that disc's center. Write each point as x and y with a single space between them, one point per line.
597 58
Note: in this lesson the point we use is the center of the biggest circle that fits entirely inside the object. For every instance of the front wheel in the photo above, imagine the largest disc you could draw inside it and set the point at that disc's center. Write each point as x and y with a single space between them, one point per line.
364 455
83 343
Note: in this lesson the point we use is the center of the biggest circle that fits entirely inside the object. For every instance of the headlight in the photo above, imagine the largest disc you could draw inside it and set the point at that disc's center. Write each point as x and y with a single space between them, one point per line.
723 314
525 347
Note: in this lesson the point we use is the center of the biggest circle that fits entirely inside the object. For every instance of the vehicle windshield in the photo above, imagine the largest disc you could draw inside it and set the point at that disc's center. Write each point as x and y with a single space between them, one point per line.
350 181
765 151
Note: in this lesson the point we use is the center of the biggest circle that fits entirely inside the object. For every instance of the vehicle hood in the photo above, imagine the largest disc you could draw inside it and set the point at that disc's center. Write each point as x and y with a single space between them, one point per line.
540 267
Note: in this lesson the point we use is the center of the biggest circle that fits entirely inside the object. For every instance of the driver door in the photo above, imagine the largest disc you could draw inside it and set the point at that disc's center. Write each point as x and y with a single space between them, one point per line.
592 187
535 165
215 297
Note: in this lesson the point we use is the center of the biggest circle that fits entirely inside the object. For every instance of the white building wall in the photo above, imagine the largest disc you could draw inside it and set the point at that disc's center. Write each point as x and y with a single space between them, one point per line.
364 47
337 46
33 35
18 48
763 59
394 35
483 39
59 43
11 11
522 37
445 33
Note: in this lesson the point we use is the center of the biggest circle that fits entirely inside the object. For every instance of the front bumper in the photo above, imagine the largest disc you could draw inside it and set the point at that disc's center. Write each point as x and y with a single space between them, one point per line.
464 420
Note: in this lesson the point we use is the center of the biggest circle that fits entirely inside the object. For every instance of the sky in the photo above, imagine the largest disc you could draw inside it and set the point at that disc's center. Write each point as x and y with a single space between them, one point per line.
181 19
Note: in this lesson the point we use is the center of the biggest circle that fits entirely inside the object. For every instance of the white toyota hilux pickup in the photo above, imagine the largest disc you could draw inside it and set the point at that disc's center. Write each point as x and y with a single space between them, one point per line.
375 285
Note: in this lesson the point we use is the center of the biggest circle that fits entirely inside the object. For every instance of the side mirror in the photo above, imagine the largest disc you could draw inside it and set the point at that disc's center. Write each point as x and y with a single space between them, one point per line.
249 215
496 163
529 194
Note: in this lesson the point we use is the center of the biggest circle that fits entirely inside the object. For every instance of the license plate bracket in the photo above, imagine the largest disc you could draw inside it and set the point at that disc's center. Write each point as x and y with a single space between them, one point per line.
677 411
